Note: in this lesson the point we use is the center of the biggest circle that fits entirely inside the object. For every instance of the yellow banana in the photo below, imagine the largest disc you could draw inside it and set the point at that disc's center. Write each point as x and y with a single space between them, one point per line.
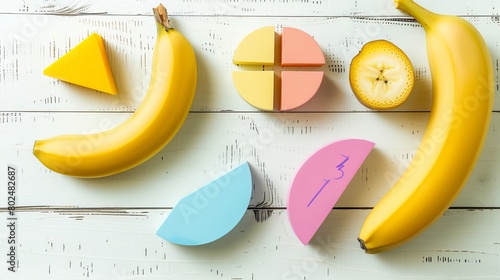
155 122
462 84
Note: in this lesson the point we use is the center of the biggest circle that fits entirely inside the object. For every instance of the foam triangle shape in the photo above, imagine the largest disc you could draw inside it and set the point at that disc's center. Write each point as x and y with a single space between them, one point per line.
85 65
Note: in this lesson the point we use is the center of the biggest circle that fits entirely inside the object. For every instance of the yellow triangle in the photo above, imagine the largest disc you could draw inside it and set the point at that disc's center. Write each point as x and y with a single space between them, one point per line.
85 65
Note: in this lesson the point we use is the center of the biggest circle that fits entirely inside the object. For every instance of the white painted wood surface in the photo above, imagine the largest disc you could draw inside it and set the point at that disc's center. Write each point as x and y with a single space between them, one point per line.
105 228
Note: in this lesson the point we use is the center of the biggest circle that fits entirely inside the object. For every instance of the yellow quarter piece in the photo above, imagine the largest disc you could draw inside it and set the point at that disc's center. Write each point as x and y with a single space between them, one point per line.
257 48
85 65
256 87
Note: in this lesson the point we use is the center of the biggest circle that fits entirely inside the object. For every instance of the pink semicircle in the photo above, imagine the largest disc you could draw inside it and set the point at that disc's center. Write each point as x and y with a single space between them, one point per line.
320 182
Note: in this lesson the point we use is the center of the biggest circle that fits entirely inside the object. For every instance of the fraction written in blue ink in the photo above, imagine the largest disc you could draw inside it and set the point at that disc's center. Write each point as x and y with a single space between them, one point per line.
339 167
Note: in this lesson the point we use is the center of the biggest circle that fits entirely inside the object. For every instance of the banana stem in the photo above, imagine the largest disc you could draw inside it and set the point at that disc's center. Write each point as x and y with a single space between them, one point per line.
422 15
161 15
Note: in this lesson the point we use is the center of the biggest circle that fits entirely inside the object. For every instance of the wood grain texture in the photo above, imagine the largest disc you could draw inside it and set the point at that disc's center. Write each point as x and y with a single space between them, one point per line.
245 7
210 144
31 42
105 228
121 244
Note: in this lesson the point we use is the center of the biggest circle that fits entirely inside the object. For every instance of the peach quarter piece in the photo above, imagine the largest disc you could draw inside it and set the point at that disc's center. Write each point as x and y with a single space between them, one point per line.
300 49
85 65
298 87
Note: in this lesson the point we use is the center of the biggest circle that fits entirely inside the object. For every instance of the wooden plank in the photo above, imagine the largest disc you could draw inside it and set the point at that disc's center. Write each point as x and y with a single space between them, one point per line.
121 244
105 229
246 7
30 43
210 144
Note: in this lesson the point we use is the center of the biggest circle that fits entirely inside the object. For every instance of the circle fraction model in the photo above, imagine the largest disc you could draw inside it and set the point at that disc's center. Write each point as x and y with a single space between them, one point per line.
272 89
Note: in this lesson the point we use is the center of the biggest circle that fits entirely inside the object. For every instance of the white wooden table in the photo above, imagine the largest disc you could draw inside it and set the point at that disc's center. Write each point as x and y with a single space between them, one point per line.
70 228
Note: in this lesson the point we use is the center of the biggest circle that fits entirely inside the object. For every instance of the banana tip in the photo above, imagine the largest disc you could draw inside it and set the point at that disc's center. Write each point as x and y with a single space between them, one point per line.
35 149
362 244
396 4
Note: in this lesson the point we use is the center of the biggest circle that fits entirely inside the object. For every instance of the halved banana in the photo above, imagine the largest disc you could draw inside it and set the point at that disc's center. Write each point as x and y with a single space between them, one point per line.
381 75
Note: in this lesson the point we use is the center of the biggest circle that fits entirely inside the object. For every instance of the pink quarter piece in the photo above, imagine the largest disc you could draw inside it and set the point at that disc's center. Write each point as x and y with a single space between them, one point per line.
300 49
320 182
298 87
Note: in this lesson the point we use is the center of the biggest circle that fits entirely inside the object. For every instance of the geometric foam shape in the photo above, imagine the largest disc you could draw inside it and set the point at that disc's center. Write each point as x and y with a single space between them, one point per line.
320 182
298 87
85 65
256 88
257 48
210 212
300 49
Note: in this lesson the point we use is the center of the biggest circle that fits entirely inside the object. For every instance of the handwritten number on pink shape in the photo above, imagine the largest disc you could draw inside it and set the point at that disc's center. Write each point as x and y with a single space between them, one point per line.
339 167
320 182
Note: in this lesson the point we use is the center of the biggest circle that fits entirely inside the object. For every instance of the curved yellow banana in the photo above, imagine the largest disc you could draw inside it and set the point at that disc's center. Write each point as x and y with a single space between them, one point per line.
154 123
462 84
